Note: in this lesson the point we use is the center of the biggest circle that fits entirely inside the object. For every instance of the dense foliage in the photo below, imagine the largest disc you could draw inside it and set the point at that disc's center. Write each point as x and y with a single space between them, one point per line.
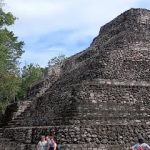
31 74
13 82
10 53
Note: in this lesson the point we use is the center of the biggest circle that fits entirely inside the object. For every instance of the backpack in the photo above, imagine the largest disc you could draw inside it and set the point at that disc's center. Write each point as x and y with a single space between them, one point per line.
139 147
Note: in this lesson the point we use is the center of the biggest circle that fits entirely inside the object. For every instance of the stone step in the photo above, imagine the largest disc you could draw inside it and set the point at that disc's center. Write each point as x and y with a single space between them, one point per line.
16 120
24 105
19 117
26 102
5 139
93 147
21 110
11 126
21 114
7 126
14 124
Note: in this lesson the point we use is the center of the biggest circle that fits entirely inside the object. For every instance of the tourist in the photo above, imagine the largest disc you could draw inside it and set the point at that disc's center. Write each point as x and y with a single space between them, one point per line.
58 146
51 143
42 145
48 141
140 145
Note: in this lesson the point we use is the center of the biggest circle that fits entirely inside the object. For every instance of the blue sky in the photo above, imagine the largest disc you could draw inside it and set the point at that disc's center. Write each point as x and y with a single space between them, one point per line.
53 27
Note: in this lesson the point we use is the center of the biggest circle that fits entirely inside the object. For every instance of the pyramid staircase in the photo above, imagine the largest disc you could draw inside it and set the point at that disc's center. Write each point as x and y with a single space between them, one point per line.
24 106
18 117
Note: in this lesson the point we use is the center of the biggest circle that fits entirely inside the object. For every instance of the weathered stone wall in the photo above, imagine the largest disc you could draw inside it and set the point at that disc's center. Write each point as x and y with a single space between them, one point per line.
41 87
115 103
130 21
55 70
121 46
95 134
100 112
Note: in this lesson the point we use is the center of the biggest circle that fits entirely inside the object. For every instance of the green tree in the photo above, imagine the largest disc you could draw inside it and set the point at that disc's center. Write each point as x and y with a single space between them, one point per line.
10 53
56 60
30 75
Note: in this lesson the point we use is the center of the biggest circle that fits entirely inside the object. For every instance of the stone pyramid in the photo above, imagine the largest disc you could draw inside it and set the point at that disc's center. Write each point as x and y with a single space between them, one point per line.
98 98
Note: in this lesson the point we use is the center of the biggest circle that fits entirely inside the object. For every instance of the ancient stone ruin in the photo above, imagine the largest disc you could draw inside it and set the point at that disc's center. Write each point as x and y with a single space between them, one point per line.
97 99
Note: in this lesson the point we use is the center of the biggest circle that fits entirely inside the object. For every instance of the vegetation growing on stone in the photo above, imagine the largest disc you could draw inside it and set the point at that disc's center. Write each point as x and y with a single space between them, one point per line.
56 60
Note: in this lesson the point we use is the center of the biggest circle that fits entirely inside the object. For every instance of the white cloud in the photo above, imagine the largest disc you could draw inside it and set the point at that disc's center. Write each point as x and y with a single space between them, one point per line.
41 16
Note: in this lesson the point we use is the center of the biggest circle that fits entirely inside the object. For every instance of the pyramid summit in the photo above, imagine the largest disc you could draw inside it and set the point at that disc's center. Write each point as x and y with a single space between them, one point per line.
98 98
122 41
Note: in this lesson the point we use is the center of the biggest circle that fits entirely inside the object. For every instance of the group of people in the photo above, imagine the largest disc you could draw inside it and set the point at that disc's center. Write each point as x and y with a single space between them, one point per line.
47 143
140 145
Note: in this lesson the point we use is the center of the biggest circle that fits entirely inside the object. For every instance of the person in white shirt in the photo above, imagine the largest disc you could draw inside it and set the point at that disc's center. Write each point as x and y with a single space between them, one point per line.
42 144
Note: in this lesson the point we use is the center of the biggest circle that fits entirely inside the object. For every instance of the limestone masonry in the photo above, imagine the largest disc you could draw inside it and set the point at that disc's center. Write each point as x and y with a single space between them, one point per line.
97 99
